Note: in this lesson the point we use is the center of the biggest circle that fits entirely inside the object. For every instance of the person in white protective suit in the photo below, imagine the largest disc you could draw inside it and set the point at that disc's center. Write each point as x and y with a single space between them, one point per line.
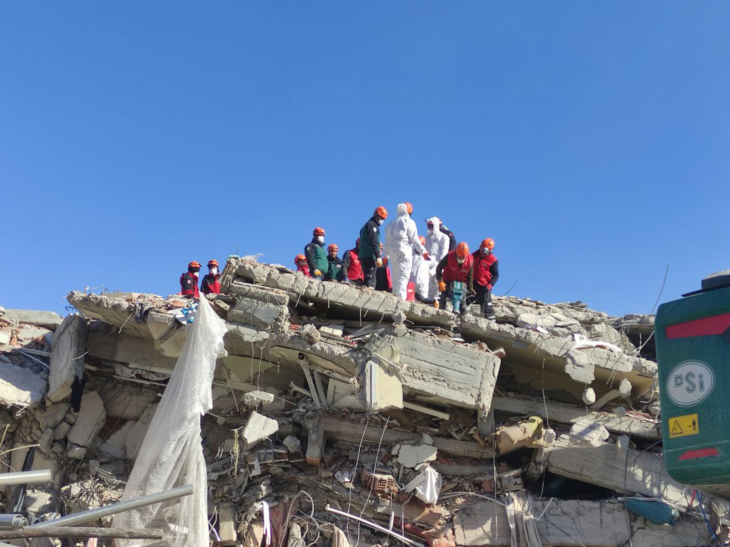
401 239
421 275
437 245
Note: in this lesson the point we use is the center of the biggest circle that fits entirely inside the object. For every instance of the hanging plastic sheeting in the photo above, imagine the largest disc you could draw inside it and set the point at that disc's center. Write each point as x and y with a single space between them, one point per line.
171 454
522 524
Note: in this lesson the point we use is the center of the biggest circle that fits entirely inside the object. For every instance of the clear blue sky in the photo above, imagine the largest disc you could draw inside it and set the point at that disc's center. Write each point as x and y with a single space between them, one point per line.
589 139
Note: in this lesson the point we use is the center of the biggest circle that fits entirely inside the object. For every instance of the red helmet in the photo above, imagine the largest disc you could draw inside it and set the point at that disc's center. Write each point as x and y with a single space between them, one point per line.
299 258
194 264
333 247
409 208
213 263
381 212
462 250
422 240
319 231
488 244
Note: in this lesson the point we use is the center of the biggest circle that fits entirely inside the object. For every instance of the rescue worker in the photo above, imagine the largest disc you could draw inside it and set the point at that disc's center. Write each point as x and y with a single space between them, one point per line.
210 283
335 264
383 279
458 265
421 275
189 280
316 255
351 271
451 236
486 274
371 256
302 266
437 245
401 238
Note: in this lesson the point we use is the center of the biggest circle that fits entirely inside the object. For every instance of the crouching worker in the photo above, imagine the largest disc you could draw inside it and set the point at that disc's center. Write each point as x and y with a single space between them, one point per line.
351 270
456 266
302 266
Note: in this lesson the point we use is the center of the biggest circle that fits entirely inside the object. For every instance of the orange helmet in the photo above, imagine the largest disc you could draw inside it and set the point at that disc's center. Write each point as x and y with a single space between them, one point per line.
299 258
332 247
213 262
462 250
381 212
488 244
319 231
422 240
409 208
194 264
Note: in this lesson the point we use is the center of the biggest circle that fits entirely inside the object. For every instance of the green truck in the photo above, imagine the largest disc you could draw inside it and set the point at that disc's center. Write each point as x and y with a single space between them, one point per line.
693 355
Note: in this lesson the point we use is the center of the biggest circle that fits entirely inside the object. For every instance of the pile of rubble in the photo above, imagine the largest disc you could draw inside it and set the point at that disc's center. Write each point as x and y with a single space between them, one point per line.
343 415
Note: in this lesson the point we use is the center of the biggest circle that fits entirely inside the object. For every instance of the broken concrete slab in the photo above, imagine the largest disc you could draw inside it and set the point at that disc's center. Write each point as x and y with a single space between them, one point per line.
89 421
256 398
67 356
20 386
413 455
52 415
46 319
137 433
258 307
105 342
129 404
258 428
114 445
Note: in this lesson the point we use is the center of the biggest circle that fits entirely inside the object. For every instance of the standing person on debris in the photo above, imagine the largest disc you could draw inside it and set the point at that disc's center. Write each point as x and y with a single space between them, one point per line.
401 239
302 266
458 265
335 264
383 279
437 245
351 271
486 274
450 235
421 275
370 252
189 280
316 255
210 283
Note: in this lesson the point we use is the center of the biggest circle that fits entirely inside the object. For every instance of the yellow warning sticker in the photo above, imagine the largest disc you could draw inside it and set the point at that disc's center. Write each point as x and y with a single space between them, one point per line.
682 426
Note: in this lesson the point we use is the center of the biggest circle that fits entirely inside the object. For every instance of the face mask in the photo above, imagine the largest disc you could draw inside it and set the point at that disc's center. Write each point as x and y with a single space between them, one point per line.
430 231
213 271
460 260
485 251
195 274
320 240
380 222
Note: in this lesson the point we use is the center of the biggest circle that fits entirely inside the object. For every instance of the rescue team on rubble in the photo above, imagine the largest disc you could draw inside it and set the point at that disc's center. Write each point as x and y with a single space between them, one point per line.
410 266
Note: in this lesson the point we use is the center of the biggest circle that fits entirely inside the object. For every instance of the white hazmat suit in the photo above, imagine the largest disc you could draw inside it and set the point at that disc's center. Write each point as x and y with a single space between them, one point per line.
421 274
437 245
401 238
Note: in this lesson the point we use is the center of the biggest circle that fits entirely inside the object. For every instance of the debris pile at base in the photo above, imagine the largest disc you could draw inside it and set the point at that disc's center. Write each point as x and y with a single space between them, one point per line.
344 416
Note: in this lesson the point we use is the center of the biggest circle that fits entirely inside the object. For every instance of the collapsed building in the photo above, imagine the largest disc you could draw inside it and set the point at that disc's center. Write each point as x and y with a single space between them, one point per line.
346 416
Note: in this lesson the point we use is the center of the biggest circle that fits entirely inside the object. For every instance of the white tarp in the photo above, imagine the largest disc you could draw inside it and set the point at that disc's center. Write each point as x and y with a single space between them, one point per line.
171 454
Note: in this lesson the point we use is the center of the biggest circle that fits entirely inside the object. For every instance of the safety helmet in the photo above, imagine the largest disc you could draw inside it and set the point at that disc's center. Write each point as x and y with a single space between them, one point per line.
462 250
299 258
194 264
488 244
422 240
332 247
381 212
409 208
213 262
319 231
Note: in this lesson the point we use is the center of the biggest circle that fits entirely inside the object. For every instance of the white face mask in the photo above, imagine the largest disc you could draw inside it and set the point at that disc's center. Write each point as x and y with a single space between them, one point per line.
380 222
195 274
430 231
320 240
460 260
213 270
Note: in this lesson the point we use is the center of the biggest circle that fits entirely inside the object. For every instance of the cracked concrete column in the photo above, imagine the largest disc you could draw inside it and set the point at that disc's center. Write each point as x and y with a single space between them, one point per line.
67 356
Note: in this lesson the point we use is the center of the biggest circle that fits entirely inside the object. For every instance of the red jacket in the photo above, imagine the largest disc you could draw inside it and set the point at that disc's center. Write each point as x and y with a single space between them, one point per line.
189 285
351 261
455 271
482 268
304 269
211 285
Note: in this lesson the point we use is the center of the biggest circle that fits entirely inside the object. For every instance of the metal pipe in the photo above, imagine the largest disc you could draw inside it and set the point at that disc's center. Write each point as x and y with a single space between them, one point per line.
25 477
376 526
12 521
113 509
70 532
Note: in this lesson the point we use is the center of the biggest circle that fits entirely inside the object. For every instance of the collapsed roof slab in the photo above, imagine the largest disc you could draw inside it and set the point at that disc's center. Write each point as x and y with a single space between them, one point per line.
46 319
348 300
543 352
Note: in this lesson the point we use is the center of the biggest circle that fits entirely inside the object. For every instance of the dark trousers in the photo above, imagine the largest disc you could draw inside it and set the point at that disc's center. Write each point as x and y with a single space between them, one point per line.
483 297
368 270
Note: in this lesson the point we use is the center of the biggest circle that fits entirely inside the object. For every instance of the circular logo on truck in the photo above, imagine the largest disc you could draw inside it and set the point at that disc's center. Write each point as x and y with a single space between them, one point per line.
690 383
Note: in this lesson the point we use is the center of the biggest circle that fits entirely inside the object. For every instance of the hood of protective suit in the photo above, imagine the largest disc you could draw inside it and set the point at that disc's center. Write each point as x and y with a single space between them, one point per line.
402 210
436 223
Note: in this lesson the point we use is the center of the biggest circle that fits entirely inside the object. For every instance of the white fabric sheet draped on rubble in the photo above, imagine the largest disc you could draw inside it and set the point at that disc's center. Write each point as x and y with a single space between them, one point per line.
171 454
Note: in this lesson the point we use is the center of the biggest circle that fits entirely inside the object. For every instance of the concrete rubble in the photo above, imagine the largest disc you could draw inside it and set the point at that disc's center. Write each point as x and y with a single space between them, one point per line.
334 399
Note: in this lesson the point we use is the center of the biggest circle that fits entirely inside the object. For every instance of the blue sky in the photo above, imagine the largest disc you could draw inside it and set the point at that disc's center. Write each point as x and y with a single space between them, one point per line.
589 139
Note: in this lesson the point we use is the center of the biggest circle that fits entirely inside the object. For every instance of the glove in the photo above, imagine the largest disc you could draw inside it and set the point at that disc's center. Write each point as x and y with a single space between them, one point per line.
426 256
442 286
317 273
379 262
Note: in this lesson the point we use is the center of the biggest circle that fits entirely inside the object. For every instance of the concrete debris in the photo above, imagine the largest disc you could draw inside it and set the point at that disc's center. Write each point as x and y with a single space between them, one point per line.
453 431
